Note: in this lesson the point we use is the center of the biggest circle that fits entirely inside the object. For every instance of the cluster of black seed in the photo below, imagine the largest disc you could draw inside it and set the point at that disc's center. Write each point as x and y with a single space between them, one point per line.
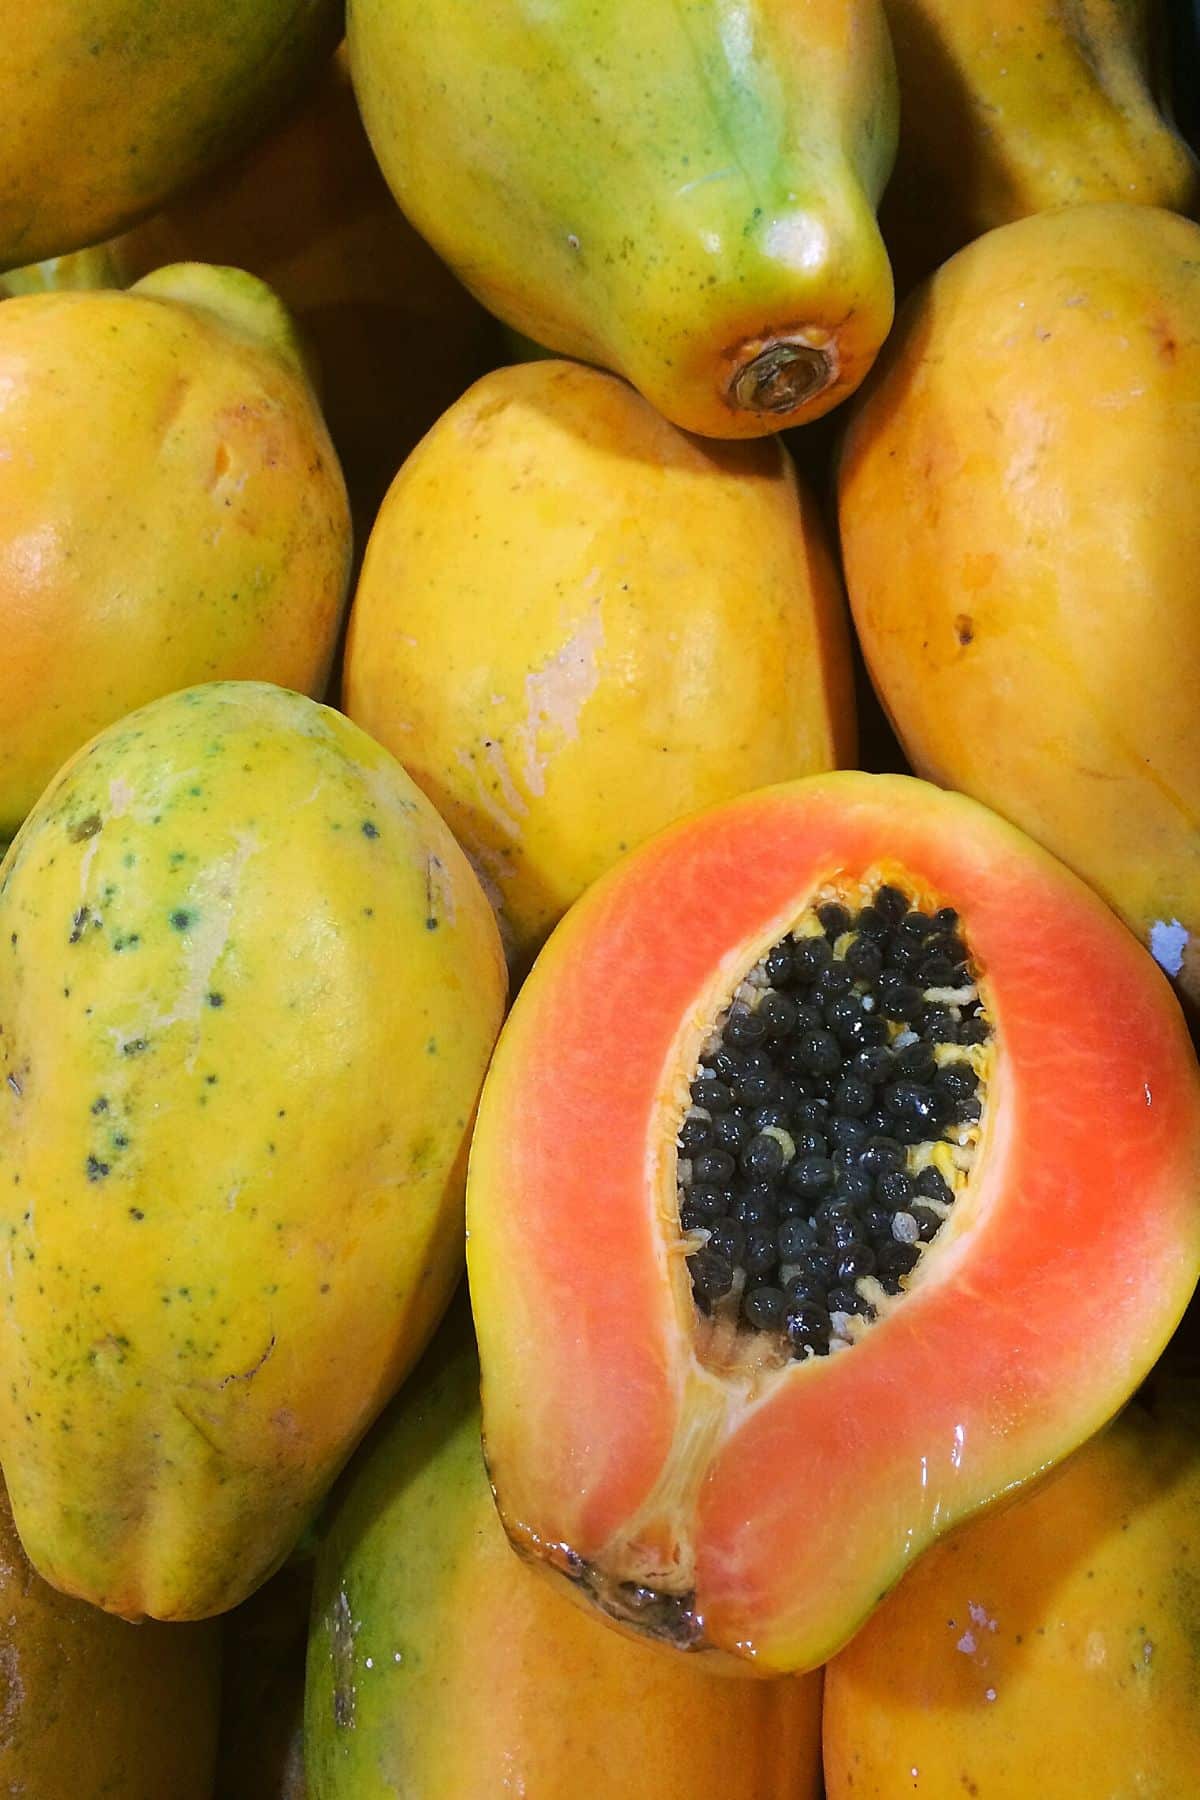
796 1152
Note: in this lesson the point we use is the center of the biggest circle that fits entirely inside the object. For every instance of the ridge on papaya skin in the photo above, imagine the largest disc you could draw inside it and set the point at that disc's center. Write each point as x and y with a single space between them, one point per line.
810 1173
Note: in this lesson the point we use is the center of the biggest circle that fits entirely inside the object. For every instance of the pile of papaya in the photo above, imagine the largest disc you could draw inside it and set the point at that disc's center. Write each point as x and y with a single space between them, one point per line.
600 908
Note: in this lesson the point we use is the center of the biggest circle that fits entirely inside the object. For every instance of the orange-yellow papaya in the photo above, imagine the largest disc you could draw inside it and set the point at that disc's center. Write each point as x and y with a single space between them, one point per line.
107 107
1048 1648
1010 108
575 623
685 194
1021 539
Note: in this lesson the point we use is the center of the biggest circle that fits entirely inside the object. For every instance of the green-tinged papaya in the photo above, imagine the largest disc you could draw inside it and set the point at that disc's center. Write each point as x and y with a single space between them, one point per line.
92 1708
1010 108
107 107
440 1664
248 990
684 193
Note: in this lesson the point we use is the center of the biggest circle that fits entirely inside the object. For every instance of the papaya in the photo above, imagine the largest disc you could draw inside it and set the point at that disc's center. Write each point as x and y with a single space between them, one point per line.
1019 533
396 338
832 1131
1048 1649
1010 109
93 1708
440 1663
171 508
684 195
107 107
249 988
575 623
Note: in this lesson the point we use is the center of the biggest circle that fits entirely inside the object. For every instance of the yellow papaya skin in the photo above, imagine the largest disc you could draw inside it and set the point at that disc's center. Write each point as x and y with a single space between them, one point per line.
1012 108
682 193
1017 501
441 1664
249 989
575 623
1048 1648
93 1708
171 508
107 107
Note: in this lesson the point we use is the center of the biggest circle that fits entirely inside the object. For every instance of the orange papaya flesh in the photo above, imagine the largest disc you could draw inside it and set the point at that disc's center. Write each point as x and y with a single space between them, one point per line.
762 1511
1047 1649
684 196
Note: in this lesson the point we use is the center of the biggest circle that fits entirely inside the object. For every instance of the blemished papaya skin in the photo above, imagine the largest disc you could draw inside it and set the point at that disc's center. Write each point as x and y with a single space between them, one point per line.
171 508
249 989
93 1708
575 623
1020 535
684 194
440 1663
1048 1649
1010 108
770 1511
107 107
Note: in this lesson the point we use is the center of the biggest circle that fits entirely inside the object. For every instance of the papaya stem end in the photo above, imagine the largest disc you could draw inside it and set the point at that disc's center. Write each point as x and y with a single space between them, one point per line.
782 375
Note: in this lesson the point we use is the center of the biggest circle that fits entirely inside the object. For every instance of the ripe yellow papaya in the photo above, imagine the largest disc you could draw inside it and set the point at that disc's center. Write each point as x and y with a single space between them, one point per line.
1020 538
93 1708
1010 108
684 194
574 624
248 990
171 508
107 107
1048 1648
441 1664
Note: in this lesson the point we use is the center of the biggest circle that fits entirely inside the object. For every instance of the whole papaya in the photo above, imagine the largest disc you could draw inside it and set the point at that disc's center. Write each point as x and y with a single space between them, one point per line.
1048 1648
1020 539
575 623
107 107
248 991
1010 108
684 194
171 508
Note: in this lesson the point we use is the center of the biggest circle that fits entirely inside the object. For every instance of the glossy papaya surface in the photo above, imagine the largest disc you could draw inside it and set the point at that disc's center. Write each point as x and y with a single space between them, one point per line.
171 508
575 623
1019 533
1010 109
107 107
1048 1649
249 989
685 194
762 1509
439 1663
93 1708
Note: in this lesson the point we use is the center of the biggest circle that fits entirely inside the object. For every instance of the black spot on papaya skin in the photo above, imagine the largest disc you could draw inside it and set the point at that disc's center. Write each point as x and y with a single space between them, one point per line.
78 925
134 1047
86 828
215 999
964 629
369 830
96 1170
100 1104
181 919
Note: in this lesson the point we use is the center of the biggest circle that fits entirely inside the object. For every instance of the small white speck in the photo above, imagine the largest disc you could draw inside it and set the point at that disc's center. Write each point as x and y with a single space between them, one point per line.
1148 1094
979 1615
396 1656
370 1662
989 1693
1168 941
966 1643
572 241
1147 1651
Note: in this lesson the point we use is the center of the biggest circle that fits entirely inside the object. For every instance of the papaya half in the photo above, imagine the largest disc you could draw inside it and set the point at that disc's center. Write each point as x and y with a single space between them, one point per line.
171 508
440 1664
248 991
1017 503
1048 1649
1009 108
107 107
832 1133
575 623
685 194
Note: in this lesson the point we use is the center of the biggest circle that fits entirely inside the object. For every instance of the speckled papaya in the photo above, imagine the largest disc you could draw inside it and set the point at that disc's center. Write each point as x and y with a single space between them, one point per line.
575 623
441 1664
1049 1649
683 193
248 991
107 107
1017 503
171 508
93 1708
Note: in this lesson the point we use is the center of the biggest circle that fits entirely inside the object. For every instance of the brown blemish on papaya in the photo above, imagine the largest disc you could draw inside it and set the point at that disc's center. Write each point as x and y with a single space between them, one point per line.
964 629
86 828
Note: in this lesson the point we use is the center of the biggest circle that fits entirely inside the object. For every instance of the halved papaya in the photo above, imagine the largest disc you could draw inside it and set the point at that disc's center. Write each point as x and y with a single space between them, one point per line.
951 1107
